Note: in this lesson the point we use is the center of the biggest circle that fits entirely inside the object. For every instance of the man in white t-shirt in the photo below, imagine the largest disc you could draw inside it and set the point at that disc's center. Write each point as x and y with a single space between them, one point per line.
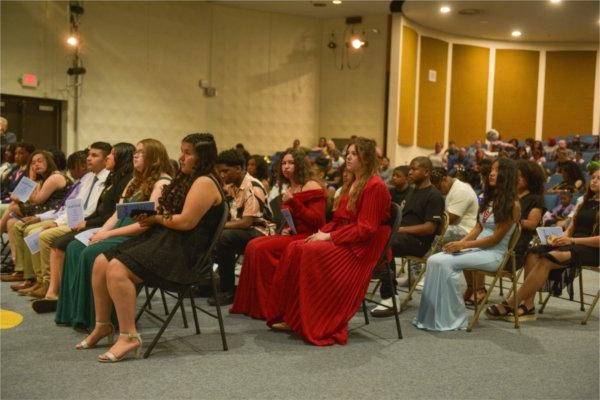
461 204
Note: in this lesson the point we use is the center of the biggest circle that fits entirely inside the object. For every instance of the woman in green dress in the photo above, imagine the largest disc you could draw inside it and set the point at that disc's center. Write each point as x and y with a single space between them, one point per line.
152 171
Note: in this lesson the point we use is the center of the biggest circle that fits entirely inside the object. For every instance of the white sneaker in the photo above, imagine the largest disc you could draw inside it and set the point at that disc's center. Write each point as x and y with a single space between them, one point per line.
403 281
386 308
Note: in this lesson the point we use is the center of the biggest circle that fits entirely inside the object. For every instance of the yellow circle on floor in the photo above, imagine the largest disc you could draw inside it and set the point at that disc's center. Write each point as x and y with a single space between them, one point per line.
9 319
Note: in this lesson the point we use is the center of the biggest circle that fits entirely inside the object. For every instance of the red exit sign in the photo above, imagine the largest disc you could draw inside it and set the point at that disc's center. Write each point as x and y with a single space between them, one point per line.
29 80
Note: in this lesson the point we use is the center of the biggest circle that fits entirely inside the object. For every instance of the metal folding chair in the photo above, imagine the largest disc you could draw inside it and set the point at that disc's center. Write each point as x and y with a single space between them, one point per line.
394 222
181 291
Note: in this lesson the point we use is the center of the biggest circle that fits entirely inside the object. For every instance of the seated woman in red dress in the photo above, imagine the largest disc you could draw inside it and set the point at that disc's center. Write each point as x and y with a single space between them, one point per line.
322 280
305 199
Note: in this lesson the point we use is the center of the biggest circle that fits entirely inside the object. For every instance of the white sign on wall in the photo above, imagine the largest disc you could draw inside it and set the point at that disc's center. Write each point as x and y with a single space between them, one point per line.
432 75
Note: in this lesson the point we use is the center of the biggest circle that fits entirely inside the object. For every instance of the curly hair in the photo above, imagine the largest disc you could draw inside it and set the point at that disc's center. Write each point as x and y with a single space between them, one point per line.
504 194
123 162
301 167
366 150
533 174
173 195
232 158
156 163
437 175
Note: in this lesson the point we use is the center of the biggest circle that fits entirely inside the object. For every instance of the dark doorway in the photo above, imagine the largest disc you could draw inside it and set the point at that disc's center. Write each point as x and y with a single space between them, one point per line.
33 120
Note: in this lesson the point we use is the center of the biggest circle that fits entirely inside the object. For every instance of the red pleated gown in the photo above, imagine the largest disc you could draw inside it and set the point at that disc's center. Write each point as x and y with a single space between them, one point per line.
320 285
263 254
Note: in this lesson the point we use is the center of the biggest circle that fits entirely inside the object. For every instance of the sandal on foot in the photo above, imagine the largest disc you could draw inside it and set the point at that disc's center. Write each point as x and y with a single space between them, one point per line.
493 312
109 357
528 314
470 302
84 344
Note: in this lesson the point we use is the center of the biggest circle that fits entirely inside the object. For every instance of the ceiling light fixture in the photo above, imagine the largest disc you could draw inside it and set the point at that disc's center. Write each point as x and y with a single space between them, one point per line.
445 10
516 33
72 40
357 43
337 2
555 1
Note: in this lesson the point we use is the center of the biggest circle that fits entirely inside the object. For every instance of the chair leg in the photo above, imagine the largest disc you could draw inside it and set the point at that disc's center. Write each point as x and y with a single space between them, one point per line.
413 286
145 305
590 309
516 280
581 304
164 326
147 293
185 323
501 287
479 306
214 277
374 291
164 301
541 310
365 312
395 304
194 312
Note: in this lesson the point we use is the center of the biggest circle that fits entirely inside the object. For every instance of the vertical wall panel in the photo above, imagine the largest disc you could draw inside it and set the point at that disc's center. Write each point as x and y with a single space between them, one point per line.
569 92
408 85
468 96
515 93
432 94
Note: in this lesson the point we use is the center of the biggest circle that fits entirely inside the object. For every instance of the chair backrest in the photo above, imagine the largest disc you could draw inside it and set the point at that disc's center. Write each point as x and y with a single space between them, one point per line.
394 222
204 264
512 243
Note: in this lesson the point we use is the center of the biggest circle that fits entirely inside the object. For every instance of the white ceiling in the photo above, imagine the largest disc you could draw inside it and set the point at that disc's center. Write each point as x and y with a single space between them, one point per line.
540 21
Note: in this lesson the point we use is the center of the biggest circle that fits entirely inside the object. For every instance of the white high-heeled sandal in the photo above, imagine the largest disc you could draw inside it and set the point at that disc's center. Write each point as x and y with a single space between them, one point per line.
83 345
109 357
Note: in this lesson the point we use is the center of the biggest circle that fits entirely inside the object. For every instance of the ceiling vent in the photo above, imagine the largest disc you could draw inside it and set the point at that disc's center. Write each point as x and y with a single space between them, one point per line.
319 4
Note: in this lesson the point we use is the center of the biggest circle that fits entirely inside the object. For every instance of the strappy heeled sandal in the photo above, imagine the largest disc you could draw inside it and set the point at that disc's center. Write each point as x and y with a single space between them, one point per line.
528 314
471 303
493 312
84 344
109 357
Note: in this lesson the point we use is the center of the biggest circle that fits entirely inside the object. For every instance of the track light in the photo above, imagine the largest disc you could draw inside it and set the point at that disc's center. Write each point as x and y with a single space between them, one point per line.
72 40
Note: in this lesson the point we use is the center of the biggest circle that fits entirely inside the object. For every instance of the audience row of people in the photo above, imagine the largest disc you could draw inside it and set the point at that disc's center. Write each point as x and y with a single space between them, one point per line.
310 276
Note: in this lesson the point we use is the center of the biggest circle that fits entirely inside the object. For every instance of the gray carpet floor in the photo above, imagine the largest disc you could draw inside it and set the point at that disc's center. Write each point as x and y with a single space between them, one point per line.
552 358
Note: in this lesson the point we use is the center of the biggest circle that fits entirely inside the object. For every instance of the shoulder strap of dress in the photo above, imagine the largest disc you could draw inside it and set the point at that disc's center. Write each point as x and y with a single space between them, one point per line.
218 185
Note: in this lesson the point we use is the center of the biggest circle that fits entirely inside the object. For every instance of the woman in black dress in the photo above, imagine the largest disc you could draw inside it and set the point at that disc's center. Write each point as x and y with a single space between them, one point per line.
561 259
188 214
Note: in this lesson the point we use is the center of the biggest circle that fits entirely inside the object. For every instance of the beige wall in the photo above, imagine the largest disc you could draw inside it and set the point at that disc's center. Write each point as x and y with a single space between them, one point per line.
274 77
470 106
352 101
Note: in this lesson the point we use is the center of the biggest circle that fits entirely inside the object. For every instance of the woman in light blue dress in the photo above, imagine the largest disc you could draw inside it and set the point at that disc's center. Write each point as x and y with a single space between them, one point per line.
442 306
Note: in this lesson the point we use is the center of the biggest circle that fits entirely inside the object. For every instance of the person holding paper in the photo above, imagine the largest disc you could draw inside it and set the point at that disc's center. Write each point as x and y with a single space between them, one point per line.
88 196
32 224
152 170
321 280
52 187
554 266
178 237
442 308
22 155
119 163
305 200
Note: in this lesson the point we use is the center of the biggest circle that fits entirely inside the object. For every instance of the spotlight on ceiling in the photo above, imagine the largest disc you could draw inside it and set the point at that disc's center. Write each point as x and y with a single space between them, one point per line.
72 40
337 1
445 10
516 33
555 1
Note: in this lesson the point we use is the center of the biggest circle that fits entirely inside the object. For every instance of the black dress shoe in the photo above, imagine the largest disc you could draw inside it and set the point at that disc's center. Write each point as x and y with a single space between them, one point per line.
44 305
225 299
